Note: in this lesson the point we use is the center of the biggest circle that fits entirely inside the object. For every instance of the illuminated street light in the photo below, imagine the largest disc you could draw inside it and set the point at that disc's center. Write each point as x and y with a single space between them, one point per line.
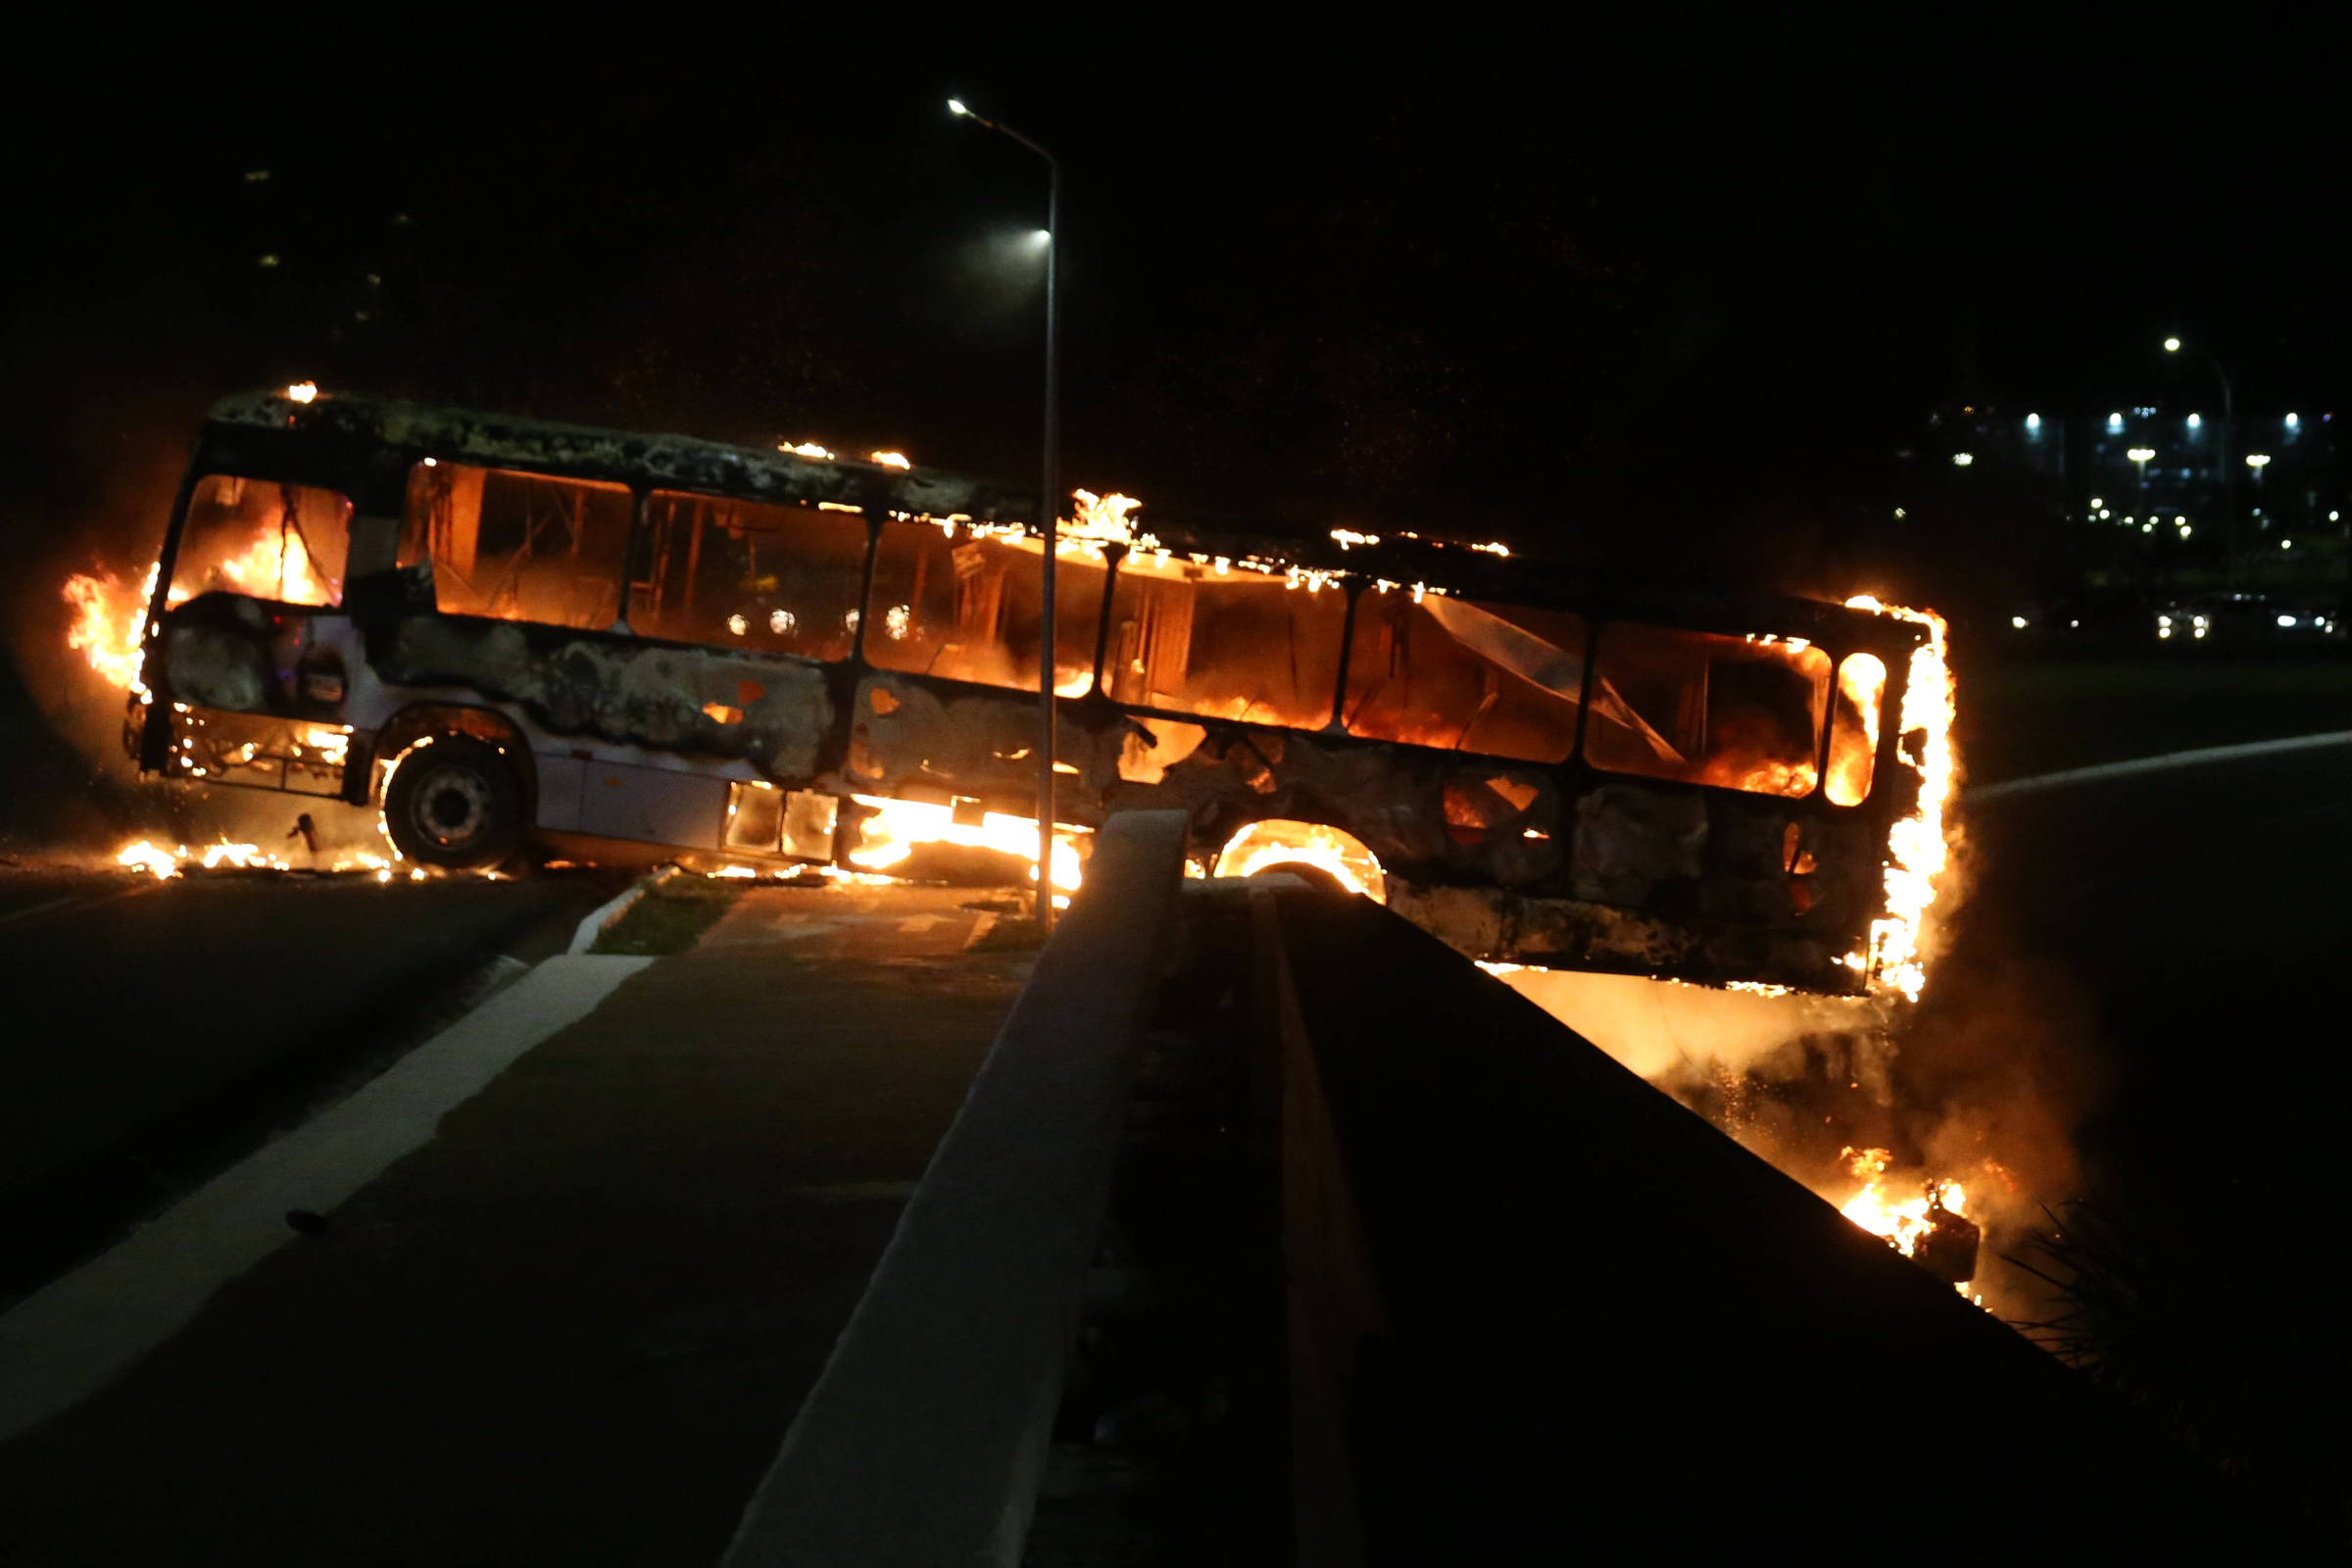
1048 504
2033 421
2230 517
1961 460
2140 456
2258 461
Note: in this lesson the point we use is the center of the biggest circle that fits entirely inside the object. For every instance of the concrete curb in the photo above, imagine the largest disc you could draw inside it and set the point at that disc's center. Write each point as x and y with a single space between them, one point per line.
925 1438
596 921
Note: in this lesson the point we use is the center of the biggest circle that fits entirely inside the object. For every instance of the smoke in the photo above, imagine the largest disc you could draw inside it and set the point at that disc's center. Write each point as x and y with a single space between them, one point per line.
1986 1080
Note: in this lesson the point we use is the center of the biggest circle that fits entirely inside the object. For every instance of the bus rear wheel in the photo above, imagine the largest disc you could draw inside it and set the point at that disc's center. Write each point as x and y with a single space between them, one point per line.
1317 879
454 802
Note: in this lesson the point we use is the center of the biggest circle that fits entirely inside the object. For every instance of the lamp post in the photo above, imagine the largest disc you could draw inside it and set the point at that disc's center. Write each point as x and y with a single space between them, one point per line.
2230 531
1048 503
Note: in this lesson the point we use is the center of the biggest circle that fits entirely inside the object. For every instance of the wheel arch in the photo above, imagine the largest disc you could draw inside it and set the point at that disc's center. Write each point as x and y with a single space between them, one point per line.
416 721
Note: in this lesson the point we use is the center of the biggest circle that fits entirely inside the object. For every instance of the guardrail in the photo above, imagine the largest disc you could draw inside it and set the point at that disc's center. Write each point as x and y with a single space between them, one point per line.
924 1438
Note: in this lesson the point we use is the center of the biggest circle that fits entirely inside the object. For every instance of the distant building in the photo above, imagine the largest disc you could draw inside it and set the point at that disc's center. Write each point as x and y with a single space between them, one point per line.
2151 487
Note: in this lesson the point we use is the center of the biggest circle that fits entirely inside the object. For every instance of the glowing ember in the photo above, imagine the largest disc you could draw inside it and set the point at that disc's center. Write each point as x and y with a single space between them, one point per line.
1903 1222
892 834
1263 846
107 619
1917 853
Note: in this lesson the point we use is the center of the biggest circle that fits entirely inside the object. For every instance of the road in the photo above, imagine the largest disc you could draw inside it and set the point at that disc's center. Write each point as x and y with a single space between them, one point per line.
162 1028
2201 917
572 1325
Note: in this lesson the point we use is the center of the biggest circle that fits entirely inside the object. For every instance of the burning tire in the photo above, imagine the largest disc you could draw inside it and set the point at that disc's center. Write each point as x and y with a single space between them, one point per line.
1317 879
455 802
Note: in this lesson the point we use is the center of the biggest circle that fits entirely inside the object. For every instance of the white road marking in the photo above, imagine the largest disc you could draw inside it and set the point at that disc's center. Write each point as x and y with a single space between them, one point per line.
81 1331
917 924
2155 764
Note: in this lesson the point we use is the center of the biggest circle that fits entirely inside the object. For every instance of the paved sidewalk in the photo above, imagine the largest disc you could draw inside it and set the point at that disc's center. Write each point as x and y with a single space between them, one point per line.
573 1325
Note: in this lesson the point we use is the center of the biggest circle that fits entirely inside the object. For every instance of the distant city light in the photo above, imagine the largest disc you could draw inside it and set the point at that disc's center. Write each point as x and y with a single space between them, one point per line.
2018 622
2184 530
2096 502
2197 422
2258 460
2140 454
2114 422
2172 345
956 107
2286 620
302 392
2286 544
1961 460
2293 422
2333 515
2033 421
1041 237
1900 514
2102 513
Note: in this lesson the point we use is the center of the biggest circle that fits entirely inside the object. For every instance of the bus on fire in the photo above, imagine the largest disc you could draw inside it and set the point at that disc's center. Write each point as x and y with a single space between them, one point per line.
495 627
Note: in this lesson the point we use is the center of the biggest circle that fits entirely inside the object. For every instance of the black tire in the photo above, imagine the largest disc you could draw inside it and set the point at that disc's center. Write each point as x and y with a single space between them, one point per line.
1315 877
454 802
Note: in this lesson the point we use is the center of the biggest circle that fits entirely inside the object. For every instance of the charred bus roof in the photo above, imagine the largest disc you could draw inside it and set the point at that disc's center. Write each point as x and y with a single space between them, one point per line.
343 429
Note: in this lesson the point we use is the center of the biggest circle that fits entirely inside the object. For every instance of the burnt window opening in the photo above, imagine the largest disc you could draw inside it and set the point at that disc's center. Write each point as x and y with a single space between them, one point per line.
1854 728
263 537
519 546
742 574
1737 713
1445 672
966 606
1233 644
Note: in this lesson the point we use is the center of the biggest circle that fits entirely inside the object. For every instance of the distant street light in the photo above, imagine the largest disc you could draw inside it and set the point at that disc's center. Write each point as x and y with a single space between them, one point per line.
2140 456
1048 493
2229 529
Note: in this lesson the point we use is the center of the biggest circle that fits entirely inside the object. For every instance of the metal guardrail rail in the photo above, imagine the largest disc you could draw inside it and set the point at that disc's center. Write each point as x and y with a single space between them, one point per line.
924 1438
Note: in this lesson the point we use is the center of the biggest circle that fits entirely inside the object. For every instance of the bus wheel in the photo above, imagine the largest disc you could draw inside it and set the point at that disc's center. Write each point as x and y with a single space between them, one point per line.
454 802
1315 877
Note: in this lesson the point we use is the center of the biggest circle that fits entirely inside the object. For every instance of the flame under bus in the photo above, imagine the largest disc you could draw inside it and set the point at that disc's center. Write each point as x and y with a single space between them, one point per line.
745 652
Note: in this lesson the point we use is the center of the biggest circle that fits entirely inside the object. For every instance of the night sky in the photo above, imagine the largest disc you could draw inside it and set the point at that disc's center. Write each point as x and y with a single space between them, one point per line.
1686 282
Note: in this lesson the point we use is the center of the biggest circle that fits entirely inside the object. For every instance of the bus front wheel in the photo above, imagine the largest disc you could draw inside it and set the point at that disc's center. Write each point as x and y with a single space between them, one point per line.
454 802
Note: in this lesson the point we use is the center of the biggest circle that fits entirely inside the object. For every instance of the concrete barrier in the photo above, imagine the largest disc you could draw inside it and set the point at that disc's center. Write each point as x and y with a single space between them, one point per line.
924 1440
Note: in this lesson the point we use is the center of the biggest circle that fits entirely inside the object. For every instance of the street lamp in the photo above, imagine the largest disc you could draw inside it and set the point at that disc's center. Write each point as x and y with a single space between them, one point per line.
1048 496
2140 456
2230 531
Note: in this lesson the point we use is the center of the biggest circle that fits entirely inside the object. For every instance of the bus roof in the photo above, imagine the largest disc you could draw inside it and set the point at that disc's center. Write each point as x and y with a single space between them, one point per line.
783 476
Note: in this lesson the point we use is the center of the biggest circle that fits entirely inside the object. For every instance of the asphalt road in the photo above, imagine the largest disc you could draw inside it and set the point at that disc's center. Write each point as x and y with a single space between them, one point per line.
159 1030
574 1324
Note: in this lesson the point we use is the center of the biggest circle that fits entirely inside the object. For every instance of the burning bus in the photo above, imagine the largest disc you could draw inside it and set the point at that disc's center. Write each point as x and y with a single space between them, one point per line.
495 625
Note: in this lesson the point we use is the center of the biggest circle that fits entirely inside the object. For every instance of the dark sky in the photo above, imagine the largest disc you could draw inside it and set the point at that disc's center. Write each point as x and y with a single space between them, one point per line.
1602 283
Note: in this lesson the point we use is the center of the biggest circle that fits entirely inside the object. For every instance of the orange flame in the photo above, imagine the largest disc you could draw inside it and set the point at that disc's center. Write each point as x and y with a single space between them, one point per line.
1918 851
107 619
1903 1222
899 826
1262 845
